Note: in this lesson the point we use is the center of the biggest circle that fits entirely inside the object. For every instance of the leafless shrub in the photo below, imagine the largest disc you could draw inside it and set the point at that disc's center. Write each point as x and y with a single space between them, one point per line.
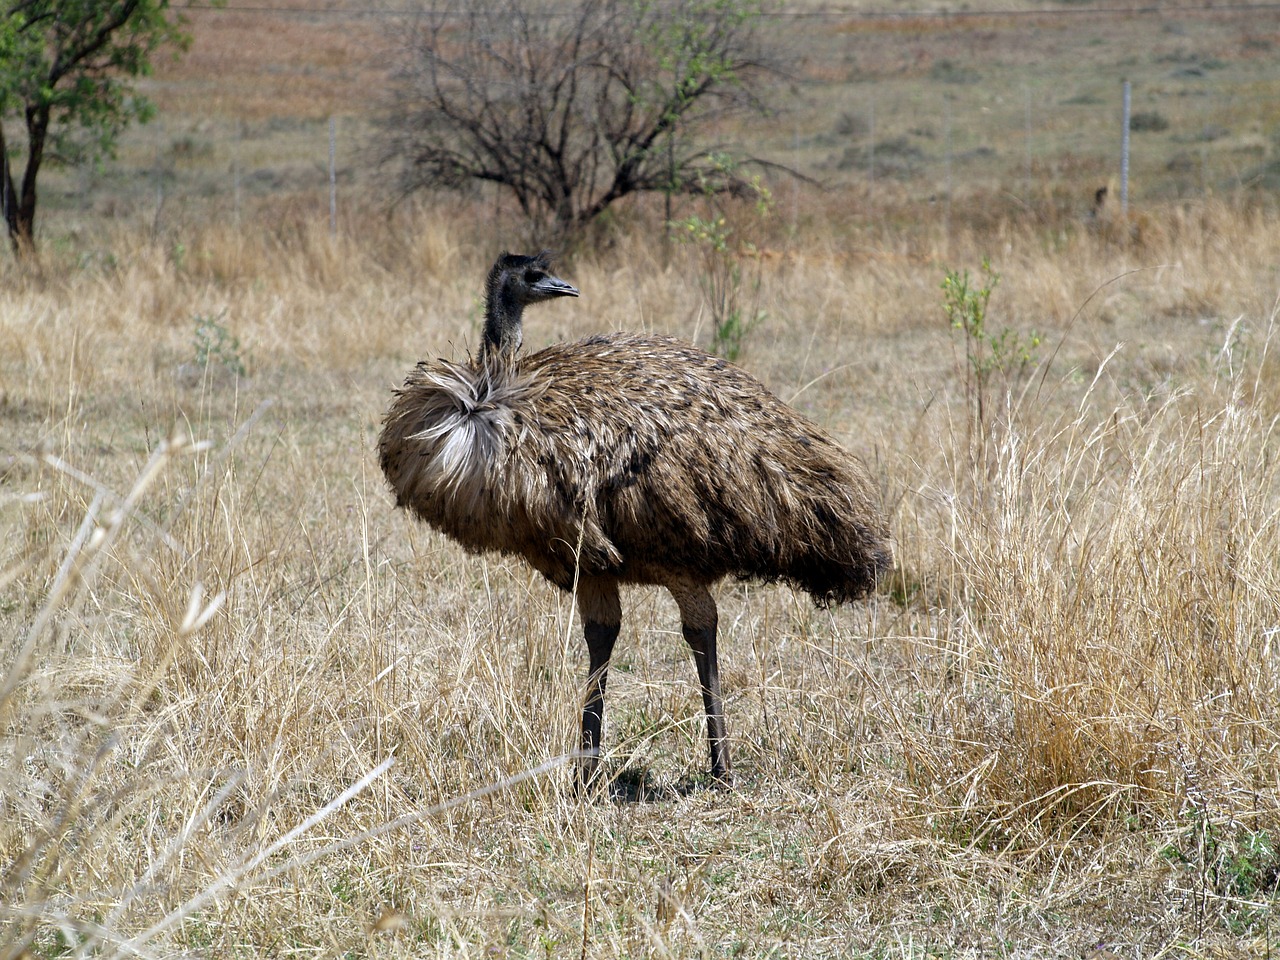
570 108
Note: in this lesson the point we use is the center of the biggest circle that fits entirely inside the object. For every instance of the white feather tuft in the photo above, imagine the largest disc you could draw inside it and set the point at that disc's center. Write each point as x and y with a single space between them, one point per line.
470 419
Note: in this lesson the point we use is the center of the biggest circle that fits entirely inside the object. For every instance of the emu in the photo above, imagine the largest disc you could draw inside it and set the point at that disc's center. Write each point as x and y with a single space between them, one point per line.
625 459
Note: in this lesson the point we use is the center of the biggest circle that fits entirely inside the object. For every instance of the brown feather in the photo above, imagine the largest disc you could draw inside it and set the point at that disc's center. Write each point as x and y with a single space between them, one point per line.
641 458
628 459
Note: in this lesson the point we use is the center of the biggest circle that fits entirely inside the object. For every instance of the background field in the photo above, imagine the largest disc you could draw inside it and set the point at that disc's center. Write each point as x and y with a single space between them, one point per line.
978 115
248 709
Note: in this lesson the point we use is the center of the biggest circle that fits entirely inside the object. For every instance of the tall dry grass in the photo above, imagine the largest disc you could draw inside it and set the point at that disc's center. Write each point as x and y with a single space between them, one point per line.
246 708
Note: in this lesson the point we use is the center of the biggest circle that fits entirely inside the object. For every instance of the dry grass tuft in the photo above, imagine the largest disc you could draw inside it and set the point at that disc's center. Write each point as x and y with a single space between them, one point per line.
1118 570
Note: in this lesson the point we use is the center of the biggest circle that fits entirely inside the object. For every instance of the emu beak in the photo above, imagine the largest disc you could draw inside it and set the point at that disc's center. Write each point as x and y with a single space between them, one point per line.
550 286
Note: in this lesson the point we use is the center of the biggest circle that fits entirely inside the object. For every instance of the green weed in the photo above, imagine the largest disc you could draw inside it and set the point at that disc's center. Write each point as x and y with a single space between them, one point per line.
732 296
216 344
989 353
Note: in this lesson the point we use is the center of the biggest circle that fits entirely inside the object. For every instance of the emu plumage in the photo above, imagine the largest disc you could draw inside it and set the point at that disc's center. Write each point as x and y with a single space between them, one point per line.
628 459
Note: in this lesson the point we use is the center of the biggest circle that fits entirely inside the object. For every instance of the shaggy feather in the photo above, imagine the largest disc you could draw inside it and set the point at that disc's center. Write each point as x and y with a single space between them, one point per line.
467 420
661 460
628 459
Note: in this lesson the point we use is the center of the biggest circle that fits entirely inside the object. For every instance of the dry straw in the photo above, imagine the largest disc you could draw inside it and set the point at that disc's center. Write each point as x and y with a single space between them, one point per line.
247 708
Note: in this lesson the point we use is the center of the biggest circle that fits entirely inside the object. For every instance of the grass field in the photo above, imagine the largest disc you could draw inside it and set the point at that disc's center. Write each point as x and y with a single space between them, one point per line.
247 708
1015 114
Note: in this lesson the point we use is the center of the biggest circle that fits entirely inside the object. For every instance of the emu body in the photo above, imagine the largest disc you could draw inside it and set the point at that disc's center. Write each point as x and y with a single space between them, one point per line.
629 459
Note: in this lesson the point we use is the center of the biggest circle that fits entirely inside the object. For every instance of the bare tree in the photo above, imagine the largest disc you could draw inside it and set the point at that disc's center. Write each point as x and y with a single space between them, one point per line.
572 106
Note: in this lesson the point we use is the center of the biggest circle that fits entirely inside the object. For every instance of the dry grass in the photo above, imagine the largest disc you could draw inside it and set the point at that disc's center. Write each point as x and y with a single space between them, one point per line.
247 709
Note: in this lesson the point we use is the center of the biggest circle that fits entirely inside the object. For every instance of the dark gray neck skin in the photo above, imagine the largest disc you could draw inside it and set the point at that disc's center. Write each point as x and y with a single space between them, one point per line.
503 331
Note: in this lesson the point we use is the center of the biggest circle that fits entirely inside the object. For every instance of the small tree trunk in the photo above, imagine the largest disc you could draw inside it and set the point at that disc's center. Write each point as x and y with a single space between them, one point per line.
20 211
8 198
22 236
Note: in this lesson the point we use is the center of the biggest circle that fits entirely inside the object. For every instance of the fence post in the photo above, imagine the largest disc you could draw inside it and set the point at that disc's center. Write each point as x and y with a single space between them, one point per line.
946 140
235 172
159 180
1124 151
333 178
871 142
1027 188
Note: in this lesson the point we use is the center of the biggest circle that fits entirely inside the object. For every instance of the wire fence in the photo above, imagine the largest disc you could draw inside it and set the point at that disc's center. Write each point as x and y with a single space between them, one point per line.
1173 119
1021 138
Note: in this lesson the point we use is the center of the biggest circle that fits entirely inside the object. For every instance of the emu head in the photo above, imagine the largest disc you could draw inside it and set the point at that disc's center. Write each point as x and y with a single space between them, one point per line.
515 282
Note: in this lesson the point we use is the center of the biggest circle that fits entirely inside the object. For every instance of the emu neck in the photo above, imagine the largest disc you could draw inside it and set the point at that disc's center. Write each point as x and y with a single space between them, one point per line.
503 332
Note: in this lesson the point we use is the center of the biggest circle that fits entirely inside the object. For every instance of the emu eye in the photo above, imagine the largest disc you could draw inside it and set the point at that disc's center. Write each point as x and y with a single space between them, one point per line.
533 276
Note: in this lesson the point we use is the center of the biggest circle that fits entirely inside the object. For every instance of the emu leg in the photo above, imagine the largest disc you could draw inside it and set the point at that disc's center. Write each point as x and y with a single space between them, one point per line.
698 623
601 612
